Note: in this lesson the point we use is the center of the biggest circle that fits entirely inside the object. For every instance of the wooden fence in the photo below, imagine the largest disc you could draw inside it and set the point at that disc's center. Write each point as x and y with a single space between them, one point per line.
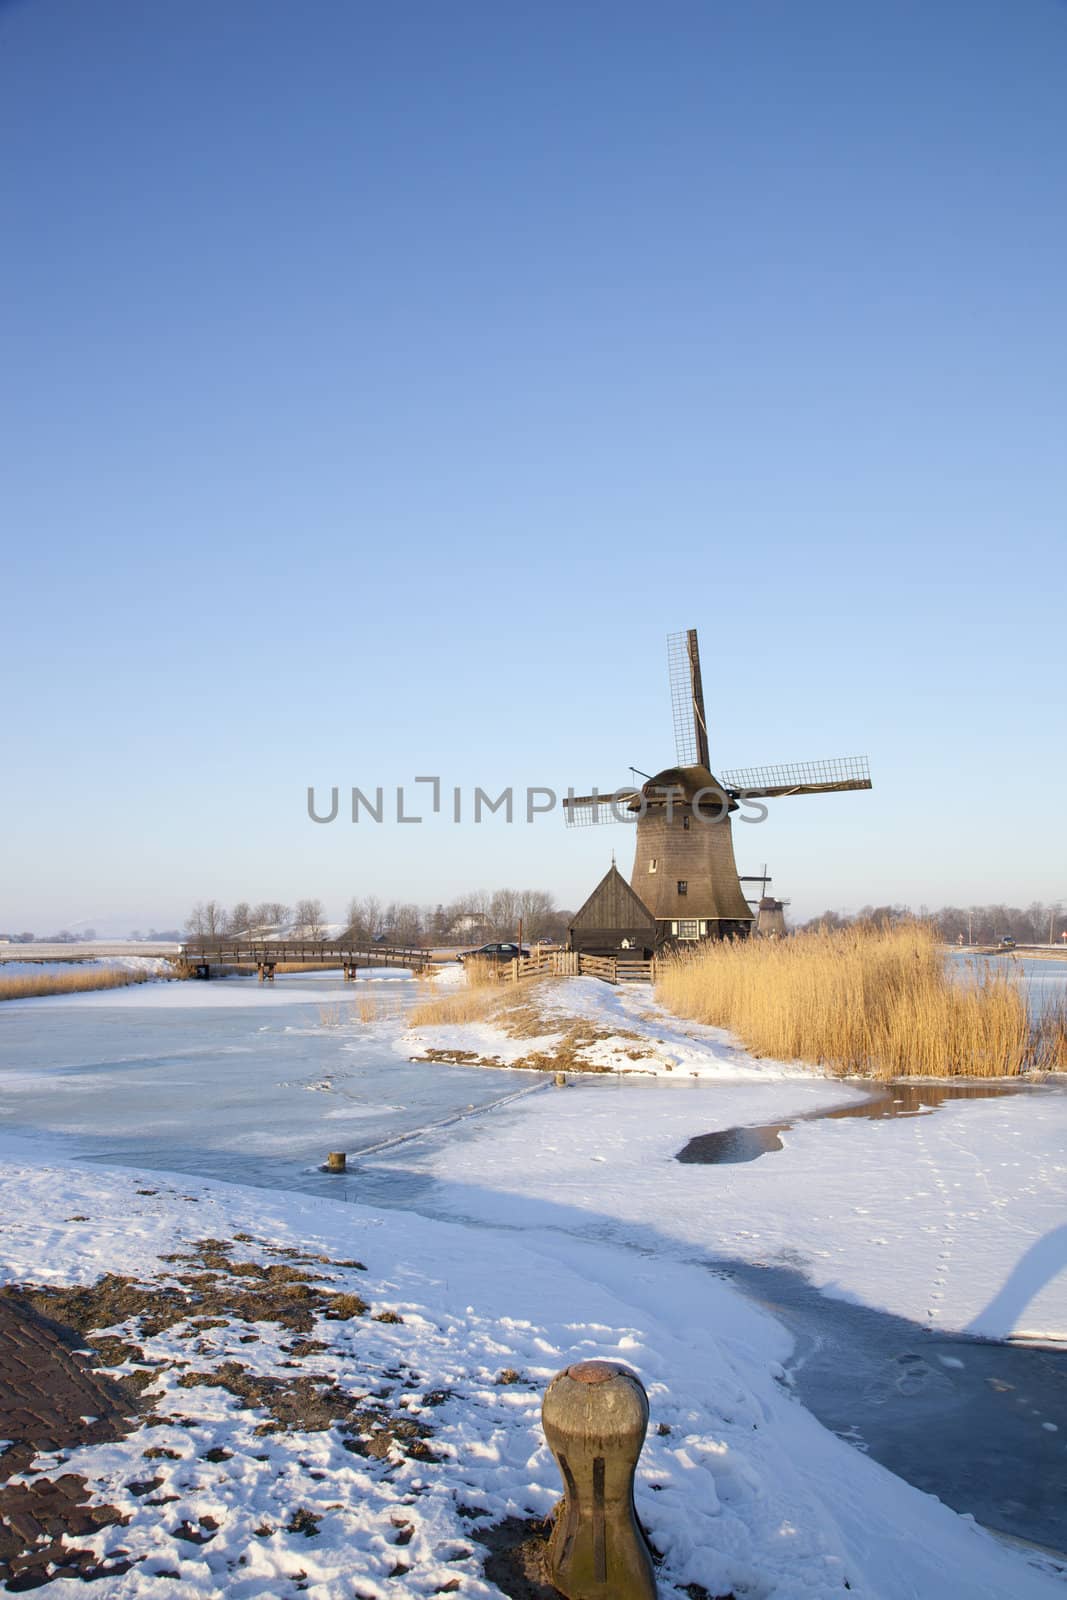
574 963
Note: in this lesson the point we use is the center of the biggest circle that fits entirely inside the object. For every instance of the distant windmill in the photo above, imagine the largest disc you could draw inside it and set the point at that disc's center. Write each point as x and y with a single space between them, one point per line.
770 911
684 869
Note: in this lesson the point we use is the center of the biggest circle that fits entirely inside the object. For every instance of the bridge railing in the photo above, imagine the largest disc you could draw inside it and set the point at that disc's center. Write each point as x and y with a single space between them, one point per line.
313 952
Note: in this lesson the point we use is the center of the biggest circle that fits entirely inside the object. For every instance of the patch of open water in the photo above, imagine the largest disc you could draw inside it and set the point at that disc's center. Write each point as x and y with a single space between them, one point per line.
728 1146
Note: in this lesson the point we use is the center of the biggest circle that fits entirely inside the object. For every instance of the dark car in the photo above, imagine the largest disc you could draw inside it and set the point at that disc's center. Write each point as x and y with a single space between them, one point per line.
494 952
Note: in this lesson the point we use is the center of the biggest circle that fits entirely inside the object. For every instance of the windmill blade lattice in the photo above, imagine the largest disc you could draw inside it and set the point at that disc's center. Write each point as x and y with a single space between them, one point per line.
687 699
801 777
590 810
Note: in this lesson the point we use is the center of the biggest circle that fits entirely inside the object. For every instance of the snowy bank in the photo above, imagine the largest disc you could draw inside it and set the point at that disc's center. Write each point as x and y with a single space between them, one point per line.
592 1026
740 1489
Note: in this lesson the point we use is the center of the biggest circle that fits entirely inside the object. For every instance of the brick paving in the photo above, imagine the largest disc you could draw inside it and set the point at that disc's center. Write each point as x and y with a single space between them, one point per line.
51 1401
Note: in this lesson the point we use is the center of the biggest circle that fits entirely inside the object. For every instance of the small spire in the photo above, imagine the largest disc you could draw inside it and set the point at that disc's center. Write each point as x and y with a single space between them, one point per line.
613 858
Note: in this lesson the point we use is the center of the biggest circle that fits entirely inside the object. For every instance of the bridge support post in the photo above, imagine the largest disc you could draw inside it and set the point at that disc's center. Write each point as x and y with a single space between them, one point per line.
266 971
351 971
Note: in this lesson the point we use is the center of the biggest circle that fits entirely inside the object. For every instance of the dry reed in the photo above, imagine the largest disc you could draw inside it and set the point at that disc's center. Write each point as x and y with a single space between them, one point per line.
873 1001
33 985
478 996
1050 1038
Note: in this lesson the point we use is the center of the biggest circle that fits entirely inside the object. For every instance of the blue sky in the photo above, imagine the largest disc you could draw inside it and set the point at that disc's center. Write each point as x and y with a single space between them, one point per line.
380 384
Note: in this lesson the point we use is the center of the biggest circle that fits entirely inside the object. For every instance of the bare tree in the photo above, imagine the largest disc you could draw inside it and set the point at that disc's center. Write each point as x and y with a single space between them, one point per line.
504 914
207 920
364 919
270 914
406 924
538 913
309 917
240 920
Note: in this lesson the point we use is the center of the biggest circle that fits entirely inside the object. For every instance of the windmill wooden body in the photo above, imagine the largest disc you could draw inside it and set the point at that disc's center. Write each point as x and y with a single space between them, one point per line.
684 867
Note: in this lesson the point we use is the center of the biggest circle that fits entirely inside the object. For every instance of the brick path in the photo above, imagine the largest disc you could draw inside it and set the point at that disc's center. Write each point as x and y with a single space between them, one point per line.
49 1400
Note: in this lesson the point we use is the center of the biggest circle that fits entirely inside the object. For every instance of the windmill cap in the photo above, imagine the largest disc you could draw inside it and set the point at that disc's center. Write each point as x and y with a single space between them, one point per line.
686 782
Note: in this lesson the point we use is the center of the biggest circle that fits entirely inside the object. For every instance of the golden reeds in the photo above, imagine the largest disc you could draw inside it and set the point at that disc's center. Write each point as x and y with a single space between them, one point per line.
1050 1039
875 1001
35 984
479 994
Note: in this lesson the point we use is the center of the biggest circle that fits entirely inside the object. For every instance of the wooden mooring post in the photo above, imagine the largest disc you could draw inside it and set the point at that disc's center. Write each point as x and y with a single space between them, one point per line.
595 1417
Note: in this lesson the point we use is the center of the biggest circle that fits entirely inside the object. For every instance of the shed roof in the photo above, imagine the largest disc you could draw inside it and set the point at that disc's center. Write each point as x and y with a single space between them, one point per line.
613 904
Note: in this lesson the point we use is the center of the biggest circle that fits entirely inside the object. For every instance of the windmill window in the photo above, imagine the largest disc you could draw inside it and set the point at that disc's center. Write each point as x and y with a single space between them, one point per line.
685 823
683 886
689 930
653 865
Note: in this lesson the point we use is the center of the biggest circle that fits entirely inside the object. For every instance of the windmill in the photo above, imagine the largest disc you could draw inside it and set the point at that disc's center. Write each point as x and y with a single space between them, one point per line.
770 911
684 868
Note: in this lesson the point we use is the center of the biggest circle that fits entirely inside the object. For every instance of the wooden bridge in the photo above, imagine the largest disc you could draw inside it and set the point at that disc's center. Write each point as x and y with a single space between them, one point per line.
198 956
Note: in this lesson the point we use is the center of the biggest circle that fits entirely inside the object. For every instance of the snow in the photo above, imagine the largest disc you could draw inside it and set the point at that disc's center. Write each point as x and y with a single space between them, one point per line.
155 965
746 1492
563 1228
664 1046
952 1219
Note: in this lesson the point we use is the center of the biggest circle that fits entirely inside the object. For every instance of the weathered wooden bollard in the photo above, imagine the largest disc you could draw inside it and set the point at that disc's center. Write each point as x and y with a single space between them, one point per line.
336 1161
595 1416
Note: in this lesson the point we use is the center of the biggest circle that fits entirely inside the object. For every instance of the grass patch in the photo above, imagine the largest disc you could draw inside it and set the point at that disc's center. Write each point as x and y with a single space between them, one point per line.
32 985
514 1008
876 1001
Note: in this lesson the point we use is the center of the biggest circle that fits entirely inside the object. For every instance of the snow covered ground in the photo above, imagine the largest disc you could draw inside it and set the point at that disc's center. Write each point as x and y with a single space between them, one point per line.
563 1228
156 966
954 1219
740 1489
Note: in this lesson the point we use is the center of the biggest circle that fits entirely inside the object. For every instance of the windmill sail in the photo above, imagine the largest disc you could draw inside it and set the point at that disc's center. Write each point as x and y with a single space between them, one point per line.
687 699
800 777
604 805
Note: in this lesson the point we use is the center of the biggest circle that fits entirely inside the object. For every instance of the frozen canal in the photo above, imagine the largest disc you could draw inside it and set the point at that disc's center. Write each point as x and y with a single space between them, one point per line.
863 1237
227 1079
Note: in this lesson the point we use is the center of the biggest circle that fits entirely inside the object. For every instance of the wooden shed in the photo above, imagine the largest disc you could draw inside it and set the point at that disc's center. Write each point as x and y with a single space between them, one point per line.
613 920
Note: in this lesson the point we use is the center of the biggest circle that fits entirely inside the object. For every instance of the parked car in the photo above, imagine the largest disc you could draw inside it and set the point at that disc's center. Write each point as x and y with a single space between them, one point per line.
494 952
1007 942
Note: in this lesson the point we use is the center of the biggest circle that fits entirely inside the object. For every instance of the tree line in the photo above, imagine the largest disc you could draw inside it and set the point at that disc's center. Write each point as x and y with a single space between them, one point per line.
966 924
469 919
